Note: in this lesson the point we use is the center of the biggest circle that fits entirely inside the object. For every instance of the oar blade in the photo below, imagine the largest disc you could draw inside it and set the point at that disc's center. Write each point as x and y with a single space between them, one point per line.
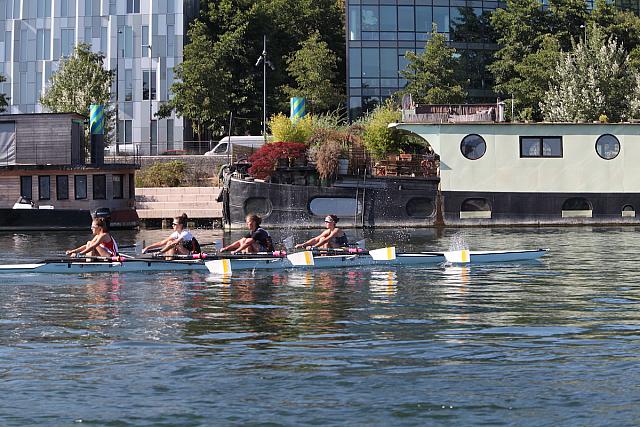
383 254
219 266
304 258
458 257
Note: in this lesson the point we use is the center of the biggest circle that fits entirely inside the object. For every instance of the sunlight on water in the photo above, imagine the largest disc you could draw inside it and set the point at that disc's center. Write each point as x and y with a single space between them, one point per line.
553 342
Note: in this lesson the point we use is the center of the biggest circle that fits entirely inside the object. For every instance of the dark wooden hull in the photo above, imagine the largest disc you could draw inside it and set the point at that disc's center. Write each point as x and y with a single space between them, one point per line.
44 219
376 202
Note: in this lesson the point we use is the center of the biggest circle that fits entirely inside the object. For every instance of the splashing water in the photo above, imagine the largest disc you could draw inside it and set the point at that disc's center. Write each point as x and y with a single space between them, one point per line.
458 242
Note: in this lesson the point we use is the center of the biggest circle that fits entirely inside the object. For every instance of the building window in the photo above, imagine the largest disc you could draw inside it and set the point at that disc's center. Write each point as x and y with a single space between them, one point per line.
66 41
473 146
608 147
145 36
148 80
118 189
80 186
99 187
62 187
44 187
170 134
475 208
26 189
628 211
133 6
44 8
43 44
128 85
540 146
577 207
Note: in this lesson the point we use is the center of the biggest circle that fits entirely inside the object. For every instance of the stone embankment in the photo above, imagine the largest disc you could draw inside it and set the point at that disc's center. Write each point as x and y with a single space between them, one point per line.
199 203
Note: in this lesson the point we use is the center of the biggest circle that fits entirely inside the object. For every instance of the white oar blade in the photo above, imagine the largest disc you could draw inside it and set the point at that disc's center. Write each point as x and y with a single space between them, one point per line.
383 254
219 266
288 243
458 257
301 258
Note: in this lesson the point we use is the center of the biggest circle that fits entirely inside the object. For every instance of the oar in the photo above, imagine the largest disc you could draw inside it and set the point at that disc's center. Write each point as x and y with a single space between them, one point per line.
219 266
306 258
458 257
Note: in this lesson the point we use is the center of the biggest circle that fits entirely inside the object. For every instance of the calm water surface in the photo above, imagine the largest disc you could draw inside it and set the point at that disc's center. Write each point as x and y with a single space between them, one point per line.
555 342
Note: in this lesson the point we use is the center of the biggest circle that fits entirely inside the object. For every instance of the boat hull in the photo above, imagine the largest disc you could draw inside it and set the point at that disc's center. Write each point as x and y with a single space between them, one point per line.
80 267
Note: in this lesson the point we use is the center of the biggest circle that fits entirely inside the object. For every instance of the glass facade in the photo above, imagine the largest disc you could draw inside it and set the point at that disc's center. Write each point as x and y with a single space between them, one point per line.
380 32
35 34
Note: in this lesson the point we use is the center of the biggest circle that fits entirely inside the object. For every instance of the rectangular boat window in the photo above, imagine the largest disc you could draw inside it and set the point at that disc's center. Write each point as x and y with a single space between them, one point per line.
99 187
80 186
44 187
540 146
118 190
62 187
26 189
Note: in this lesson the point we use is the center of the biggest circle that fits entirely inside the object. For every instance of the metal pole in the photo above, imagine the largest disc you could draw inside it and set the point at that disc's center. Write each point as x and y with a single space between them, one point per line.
150 100
264 86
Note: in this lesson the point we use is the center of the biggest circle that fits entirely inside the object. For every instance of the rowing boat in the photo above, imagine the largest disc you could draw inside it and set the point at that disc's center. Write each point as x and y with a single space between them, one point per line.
307 259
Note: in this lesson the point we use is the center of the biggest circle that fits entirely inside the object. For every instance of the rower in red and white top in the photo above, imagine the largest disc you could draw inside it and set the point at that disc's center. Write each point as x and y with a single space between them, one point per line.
102 244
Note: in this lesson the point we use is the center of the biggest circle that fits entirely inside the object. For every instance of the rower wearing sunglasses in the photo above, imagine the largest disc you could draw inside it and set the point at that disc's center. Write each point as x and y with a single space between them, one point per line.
332 237
180 242
102 244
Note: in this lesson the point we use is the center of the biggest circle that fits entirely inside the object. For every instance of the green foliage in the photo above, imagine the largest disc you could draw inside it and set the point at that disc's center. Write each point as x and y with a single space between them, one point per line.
80 81
234 31
4 102
378 137
282 129
203 100
592 80
313 67
431 76
167 174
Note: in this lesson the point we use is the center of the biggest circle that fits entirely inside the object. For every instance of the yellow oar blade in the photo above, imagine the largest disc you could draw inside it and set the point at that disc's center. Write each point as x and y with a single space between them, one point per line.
219 266
383 254
301 258
458 257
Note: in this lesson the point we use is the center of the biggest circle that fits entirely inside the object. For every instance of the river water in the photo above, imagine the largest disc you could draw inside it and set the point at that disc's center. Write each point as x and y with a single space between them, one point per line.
548 343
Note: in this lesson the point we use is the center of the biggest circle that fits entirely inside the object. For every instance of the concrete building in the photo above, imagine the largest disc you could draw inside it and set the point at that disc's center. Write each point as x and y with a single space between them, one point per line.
142 41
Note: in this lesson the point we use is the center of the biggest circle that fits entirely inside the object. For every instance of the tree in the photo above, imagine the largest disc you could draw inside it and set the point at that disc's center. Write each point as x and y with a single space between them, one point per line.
313 67
235 29
203 85
592 80
80 81
4 102
431 76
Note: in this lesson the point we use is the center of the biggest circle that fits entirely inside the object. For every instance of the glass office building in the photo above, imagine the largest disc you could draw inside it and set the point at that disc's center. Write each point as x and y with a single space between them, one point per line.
142 41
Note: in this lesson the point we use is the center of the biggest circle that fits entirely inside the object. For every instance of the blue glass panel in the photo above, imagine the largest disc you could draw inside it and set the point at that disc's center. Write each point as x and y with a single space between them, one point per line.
406 18
370 63
388 19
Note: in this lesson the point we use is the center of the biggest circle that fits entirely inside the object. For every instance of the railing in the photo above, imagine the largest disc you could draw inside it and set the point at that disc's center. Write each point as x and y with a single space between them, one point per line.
454 113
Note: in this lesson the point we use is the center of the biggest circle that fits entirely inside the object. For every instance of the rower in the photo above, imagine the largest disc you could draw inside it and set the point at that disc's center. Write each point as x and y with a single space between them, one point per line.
180 242
102 244
331 238
256 240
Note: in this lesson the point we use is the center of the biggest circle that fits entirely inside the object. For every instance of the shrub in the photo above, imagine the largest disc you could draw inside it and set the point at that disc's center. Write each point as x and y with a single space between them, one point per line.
283 130
265 160
327 155
167 174
377 136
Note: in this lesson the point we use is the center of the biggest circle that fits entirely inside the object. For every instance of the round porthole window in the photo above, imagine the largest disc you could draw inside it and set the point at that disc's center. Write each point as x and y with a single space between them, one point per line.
473 147
608 147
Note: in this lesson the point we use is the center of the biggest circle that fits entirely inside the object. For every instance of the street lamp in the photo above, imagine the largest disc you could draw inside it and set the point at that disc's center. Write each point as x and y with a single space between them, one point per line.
263 59
150 98
585 33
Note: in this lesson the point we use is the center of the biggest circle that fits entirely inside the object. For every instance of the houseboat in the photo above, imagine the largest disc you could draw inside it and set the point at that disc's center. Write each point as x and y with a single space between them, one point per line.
481 171
50 179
